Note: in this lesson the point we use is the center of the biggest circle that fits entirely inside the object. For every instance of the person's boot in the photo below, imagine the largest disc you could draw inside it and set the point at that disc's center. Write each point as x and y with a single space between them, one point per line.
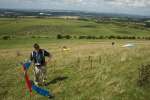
45 82
36 83
51 96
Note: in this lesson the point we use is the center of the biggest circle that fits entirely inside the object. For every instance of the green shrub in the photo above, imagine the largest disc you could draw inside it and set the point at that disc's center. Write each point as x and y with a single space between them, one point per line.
111 37
82 37
147 24
144 75
6 37
59 36
101 37
68 37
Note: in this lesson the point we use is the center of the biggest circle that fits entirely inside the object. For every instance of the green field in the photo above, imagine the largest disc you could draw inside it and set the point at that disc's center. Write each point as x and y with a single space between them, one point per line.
90 70
52 27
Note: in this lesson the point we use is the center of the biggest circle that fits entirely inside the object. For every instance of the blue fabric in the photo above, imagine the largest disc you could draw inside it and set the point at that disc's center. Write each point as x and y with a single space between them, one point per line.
27 65
40 90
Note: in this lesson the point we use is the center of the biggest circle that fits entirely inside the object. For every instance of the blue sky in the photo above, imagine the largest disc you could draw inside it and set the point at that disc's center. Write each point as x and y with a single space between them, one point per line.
140 7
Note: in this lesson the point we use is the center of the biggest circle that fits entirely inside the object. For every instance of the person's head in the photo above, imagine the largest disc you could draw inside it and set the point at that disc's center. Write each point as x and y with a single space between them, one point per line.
36 46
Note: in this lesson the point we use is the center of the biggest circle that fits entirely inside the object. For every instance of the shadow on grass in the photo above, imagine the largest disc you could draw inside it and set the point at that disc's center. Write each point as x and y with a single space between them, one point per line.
58 79
3 94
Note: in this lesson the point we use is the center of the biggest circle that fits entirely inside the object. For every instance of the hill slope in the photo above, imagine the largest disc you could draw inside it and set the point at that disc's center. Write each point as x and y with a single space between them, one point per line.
52 27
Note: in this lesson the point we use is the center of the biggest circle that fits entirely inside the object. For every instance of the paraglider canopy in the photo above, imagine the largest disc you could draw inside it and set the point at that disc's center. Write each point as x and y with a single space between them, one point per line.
129 45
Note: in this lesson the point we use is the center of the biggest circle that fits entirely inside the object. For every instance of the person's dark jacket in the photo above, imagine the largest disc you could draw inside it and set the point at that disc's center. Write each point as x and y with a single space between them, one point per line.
39 57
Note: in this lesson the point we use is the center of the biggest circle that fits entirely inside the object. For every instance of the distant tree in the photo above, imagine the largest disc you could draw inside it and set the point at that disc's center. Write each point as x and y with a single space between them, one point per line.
59 36
84 19
138 37
68 37
82 37
147 24
119 37
111 37
89 37
6 37
101 37
75 37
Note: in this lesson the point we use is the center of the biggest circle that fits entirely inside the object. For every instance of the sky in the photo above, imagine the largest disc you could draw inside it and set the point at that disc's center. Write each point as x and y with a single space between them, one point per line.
138 7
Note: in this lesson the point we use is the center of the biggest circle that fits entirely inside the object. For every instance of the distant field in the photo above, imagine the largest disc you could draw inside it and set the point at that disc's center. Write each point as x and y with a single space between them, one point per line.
52 27
89 70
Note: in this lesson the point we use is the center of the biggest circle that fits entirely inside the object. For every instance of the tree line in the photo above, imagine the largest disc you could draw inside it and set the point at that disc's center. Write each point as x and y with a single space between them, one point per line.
59 36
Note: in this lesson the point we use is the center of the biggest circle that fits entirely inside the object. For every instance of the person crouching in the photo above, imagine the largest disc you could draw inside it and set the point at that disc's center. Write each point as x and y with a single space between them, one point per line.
38 58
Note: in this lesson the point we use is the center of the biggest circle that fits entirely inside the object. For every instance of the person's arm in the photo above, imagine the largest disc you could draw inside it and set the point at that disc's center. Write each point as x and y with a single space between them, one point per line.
47 54
31 57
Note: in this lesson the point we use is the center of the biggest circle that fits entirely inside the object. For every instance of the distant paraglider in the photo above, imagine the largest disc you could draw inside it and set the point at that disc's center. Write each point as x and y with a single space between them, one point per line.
130 45
65 48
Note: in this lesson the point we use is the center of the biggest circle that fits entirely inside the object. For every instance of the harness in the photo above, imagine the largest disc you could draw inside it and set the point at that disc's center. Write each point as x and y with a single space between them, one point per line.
38 57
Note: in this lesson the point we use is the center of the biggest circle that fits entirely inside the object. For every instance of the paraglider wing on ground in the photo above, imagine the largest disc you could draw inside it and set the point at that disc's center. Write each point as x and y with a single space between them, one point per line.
30 83
41 91
27 79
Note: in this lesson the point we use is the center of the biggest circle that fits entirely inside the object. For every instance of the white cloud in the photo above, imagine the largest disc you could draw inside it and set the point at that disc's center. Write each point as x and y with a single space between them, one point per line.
130 3
73 1
116 6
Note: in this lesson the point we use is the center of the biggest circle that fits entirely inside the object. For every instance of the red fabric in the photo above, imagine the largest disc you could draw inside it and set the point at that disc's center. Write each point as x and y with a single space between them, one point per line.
27 79
28 83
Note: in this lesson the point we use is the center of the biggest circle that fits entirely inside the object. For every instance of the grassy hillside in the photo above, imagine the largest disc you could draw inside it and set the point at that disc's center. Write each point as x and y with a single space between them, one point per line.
90 70
52 27
87 72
